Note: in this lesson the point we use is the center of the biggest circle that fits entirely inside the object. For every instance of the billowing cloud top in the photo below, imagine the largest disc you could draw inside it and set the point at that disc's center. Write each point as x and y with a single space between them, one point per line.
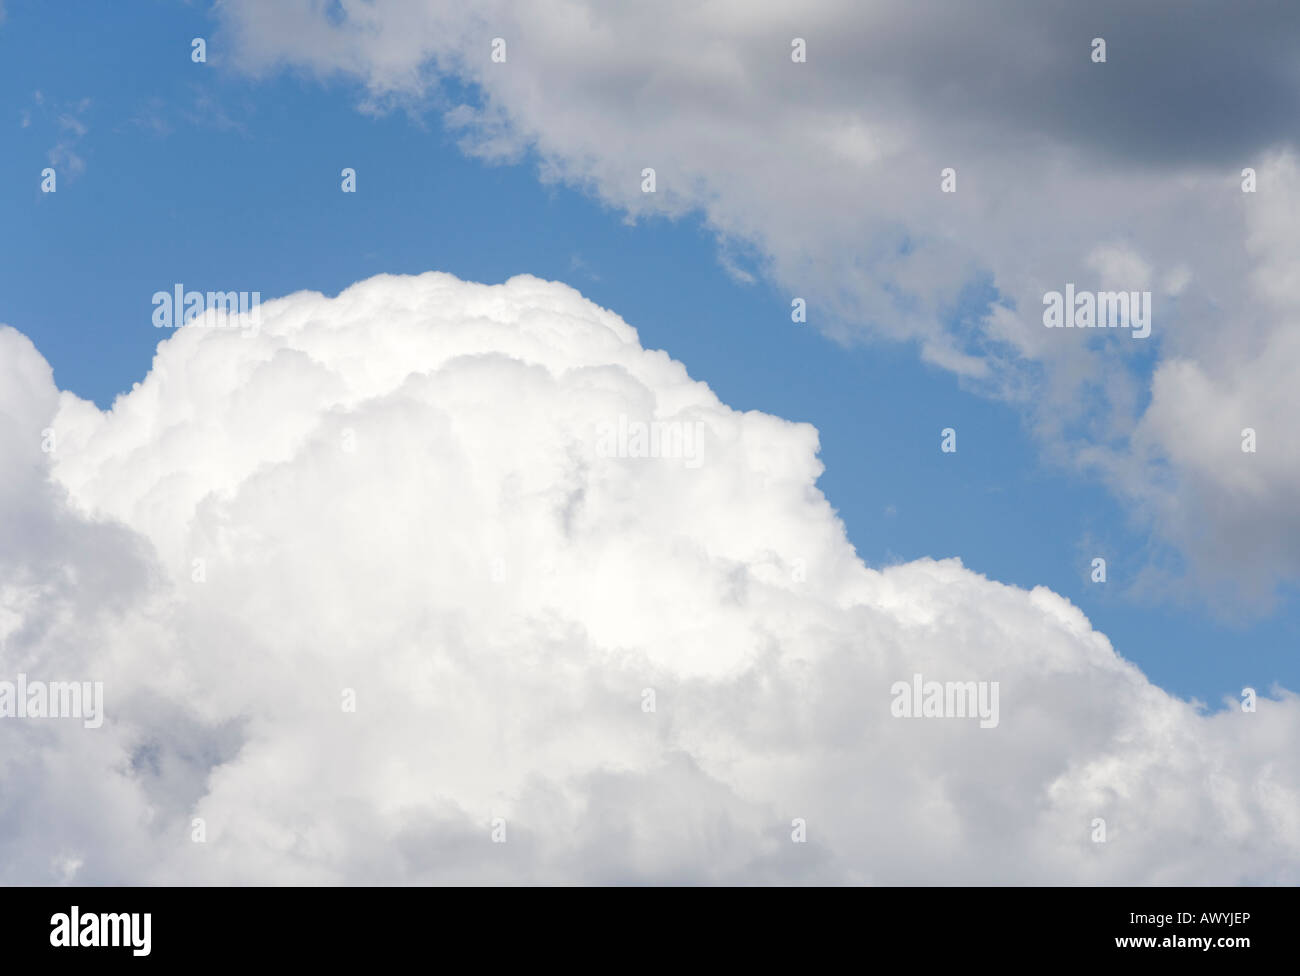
392 577
1121 174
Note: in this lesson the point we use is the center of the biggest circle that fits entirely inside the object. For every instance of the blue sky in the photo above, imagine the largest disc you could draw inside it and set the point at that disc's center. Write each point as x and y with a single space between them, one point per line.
199 175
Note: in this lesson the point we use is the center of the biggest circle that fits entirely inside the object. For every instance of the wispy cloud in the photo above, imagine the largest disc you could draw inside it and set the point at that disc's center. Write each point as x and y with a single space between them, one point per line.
70 128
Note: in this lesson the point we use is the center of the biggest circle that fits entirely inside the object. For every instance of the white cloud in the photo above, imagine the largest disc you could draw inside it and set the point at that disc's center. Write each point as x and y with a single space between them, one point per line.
398 491
67 120
1120 267
1067 171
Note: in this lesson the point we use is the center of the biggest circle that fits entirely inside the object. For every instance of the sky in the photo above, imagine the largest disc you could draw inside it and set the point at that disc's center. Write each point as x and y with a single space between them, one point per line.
776 179
189 173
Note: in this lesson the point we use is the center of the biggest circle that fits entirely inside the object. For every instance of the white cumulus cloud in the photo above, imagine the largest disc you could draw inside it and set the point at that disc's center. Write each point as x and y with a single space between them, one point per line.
397 496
